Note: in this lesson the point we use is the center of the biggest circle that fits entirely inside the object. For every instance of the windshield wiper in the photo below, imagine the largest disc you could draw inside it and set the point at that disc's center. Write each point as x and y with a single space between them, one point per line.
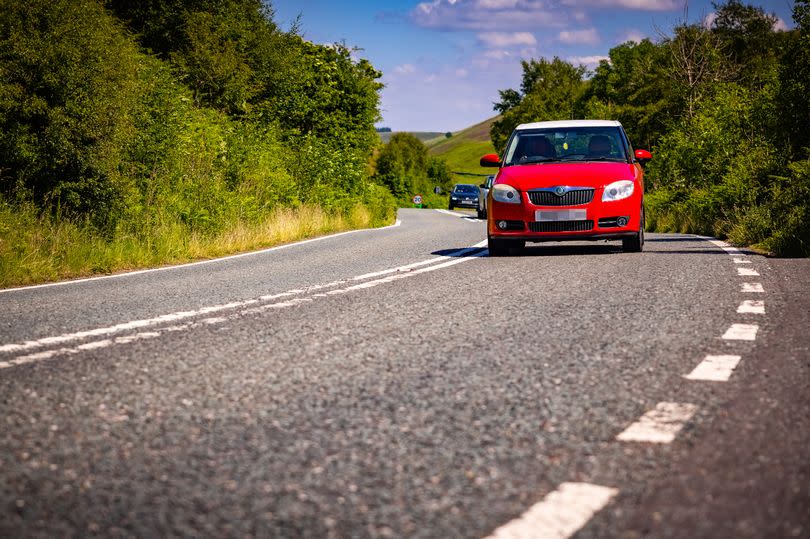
617 159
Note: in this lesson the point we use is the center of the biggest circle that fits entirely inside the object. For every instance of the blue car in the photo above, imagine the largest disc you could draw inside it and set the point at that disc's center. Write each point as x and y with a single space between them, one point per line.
464 196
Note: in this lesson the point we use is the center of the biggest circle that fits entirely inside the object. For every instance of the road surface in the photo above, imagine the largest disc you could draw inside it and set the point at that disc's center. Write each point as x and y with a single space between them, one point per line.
401 383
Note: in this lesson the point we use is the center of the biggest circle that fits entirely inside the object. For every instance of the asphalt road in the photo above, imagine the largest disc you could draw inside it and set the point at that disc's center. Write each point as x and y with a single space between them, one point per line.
318 391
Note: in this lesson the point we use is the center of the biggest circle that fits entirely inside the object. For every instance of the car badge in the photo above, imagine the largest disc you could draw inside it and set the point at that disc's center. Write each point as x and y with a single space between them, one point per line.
560 190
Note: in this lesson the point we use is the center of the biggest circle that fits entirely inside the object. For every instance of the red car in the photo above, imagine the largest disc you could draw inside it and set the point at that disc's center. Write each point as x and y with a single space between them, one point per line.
566 180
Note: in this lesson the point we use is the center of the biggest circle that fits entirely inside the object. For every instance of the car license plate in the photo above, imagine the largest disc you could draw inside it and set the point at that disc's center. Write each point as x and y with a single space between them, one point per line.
561 215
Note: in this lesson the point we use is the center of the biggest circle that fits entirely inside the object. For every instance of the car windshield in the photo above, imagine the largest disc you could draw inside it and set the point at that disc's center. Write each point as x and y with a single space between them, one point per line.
533 146
465 189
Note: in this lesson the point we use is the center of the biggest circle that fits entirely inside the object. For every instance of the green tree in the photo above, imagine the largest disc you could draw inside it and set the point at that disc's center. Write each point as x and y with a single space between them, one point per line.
69 88
403 165
631 87
794 83
549 91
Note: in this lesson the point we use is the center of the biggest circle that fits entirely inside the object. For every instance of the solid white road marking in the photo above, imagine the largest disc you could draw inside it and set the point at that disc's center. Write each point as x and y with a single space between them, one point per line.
560 514
741 332
754 306
714 369
752 287
659 425
239 306
747 272
198 263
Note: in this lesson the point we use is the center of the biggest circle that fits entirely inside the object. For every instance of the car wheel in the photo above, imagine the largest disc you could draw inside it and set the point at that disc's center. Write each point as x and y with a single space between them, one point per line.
481 214
450 206
635 244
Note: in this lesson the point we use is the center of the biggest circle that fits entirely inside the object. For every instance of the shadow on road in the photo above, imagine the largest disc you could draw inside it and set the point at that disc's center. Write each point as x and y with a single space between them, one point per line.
678 238
568 250
458 253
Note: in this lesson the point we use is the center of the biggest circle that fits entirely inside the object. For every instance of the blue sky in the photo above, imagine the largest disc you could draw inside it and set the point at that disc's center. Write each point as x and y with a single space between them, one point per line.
445 60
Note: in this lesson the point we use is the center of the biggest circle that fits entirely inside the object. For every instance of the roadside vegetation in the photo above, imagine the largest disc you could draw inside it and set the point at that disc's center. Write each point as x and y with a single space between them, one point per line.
724 107
145 133
406 169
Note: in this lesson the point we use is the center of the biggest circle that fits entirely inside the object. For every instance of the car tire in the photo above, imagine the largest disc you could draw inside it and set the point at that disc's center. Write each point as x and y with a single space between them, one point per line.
499 247
635 244
450 206
481 214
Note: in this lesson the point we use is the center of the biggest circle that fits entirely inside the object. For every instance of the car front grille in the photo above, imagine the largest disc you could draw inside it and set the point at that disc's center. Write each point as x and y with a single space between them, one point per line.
571 198
561 226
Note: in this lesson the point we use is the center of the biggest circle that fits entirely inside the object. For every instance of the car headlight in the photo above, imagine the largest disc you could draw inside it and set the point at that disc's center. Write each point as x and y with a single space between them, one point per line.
618 190
505 193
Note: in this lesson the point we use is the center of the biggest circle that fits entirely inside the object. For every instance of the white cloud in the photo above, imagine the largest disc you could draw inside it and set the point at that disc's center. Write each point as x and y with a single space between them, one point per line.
498 4
588 61
708 20
587 36
497 54
780 26
632 35
405 69
410 103
506 39
489 15
643 5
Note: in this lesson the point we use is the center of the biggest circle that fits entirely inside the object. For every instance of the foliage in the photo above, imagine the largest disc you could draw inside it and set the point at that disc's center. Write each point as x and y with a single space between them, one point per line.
404 166
161 121
549 91
724 109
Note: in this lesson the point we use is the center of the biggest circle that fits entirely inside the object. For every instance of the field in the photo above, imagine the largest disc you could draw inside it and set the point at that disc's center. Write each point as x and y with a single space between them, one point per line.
463 150
427 137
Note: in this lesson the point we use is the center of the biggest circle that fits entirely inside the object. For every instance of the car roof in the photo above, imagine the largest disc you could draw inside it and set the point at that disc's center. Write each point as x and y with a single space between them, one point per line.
569 123
464 185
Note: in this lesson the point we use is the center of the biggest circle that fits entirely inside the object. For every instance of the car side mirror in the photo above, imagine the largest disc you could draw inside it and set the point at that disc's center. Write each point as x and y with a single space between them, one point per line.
490 160
643 156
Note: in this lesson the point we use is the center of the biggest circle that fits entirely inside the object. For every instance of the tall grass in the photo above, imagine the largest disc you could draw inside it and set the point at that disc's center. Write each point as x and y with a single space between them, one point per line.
35 249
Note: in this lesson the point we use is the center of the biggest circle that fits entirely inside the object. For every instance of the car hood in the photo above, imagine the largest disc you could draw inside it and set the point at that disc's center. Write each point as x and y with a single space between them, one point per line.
525 177
468 195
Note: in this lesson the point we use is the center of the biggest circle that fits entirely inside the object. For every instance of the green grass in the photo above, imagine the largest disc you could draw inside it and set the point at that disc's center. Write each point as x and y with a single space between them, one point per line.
425 136
463 151
35 249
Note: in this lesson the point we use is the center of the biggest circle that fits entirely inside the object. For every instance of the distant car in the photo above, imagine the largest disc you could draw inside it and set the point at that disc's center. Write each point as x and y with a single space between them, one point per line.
482 197
566 180
464 196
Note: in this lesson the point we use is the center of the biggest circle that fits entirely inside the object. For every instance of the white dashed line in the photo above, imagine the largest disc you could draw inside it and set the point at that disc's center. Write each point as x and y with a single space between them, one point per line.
560 514
753 306
747 272
741 261
659 425
741 332
714 369
752 287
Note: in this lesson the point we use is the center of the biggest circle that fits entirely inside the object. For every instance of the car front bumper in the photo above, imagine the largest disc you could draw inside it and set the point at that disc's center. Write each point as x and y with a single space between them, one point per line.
473 203
602 220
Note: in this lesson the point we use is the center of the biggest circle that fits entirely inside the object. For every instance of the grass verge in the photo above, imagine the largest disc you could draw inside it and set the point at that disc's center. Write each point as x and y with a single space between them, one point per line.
37 249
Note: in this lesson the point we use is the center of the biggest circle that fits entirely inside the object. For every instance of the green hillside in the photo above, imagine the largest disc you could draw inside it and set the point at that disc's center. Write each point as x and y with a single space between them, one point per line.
425 136
464 149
